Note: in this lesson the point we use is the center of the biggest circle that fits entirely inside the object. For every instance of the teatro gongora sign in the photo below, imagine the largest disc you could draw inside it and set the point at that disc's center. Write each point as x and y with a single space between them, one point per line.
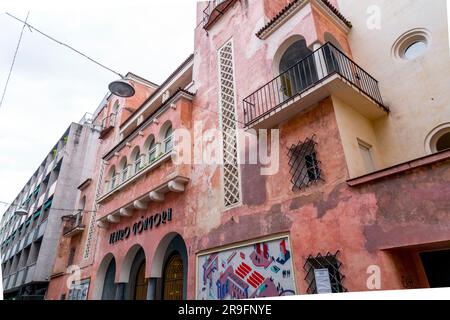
144 224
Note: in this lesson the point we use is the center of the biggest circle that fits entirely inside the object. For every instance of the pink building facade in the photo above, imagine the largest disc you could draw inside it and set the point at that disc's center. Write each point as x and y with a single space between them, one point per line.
195 230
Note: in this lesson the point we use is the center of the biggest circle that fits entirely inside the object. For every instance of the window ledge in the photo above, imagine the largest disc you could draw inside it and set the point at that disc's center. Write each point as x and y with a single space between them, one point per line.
400 168
143 171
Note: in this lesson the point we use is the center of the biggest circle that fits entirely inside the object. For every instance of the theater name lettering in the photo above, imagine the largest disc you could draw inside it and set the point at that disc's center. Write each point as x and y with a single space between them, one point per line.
144 224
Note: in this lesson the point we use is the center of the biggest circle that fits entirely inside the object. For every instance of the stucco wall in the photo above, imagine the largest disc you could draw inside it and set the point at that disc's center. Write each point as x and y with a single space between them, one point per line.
353 126
416 91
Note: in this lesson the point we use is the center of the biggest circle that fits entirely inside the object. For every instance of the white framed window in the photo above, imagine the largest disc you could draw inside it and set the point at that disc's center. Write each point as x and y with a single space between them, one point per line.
113 181
137 163
112 176
125 173
152 152
168 140
366 153
412 44
438 139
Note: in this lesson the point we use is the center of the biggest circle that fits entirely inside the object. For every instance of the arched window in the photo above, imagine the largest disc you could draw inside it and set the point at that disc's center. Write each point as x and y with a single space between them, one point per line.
124 169
152 151
293 54
168 139
116 107
113 178
137 162
298 68
331 54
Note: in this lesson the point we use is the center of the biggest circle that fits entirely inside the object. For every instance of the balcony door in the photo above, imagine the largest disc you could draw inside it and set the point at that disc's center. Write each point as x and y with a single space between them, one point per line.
297 68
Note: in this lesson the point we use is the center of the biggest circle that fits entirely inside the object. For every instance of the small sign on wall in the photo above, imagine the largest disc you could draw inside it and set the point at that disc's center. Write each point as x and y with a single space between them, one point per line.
79 291
323 283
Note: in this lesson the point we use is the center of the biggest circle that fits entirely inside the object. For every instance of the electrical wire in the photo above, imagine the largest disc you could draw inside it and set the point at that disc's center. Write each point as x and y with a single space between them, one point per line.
14 60
65 45
56 209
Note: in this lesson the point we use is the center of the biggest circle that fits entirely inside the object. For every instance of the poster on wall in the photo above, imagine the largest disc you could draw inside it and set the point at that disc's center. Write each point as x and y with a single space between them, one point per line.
258 270
80 291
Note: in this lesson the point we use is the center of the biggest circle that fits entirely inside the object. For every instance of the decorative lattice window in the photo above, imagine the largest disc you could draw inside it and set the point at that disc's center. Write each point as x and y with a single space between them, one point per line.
91 229
323 274
231 180
305 168
92 219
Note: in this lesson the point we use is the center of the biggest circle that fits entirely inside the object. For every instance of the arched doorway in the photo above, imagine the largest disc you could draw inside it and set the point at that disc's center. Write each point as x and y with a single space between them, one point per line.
132 272
141 284
332 54
297 68
173 278
168 275
109 286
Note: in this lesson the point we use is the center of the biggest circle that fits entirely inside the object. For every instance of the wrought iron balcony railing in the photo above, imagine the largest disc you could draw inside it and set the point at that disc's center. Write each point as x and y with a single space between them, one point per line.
73 225
107 124
303 76
214 10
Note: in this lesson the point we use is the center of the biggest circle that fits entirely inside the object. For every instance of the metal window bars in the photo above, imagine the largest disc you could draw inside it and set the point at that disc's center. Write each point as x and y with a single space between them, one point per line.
305 74
329 262
305 168
74 221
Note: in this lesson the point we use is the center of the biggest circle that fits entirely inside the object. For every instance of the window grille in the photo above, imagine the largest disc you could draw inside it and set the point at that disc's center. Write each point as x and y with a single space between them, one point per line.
305 168
230 176
330 263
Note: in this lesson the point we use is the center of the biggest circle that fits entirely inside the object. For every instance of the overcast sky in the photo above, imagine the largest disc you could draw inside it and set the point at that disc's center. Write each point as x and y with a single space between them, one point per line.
51 86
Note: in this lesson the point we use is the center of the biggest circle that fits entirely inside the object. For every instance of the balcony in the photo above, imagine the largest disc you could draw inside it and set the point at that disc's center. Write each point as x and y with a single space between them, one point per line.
214 10
325 72
73 225
21 276
30 273
107 125
39 233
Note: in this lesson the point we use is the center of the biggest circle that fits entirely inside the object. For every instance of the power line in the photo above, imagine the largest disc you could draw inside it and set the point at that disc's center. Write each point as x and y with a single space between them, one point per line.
14 60
56 209
84 55
65 45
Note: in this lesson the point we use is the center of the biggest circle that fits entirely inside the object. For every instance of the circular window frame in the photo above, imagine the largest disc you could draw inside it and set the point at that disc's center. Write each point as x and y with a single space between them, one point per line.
406 40
434 136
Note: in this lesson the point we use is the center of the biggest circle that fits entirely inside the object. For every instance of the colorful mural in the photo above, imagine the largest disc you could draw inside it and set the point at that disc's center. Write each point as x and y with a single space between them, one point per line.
79 291
259 270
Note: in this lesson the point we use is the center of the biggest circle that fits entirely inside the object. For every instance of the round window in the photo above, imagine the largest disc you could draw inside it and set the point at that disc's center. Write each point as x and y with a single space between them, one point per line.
415 50
438 139
411 45
443 143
